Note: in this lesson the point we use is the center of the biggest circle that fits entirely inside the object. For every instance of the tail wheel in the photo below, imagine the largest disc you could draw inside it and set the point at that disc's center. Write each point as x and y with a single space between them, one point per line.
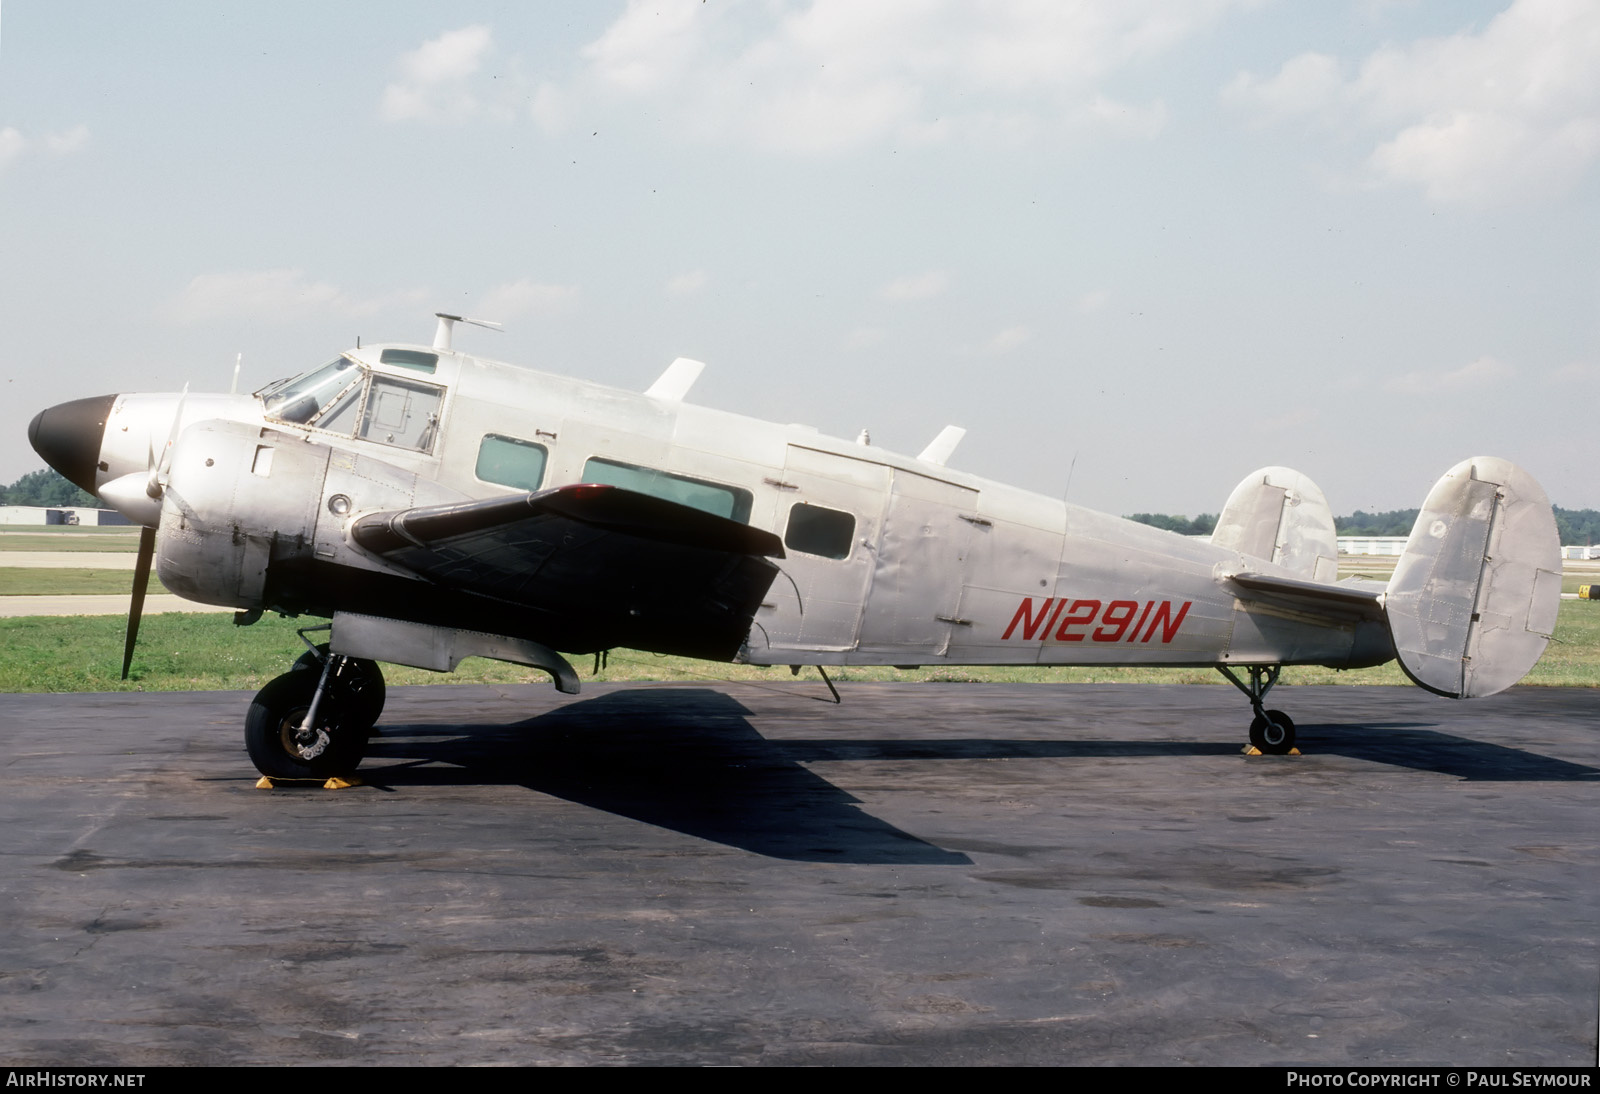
1272 732
282 749
358 682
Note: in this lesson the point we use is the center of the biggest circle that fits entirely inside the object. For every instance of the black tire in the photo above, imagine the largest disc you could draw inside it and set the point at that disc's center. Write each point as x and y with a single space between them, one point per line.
358 681
1273 734
275 745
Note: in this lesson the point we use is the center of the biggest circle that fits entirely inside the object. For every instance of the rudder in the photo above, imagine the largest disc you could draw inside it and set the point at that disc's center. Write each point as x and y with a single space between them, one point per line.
1473 600
1279 515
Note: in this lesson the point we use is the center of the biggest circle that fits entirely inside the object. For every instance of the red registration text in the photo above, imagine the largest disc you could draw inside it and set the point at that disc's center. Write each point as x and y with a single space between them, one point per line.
1062 619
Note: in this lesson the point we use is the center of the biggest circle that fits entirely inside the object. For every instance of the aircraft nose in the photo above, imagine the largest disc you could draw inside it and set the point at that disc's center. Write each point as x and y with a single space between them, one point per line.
69 435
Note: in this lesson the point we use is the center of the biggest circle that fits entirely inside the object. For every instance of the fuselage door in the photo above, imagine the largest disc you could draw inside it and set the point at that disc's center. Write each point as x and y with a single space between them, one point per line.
829 513
916 587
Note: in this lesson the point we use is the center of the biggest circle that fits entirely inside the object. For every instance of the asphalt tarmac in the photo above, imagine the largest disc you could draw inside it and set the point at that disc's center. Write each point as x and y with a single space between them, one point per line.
927 874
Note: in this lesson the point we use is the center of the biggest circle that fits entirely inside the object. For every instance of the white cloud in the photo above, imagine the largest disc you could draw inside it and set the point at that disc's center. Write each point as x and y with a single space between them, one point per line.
1290 420
1482 373
267 294
1305 83
1094 301
823 76
686 284
73 140
1577 372
550 109
649 46
1473 118
12 146
921 286
438 81
1008 339
527 297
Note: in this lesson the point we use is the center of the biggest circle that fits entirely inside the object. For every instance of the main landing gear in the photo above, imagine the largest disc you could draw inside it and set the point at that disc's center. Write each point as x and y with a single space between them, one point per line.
313 722
1271 731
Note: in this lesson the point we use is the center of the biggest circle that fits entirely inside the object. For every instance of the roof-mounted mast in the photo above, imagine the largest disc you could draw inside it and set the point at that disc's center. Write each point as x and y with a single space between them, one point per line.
441 336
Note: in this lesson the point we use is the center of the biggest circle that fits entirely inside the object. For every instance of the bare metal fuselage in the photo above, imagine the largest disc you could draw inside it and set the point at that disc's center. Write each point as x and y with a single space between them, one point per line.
939 567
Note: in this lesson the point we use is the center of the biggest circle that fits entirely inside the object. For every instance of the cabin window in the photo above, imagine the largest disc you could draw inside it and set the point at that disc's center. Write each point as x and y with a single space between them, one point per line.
510 462
401 413
814 530
723 501
414 359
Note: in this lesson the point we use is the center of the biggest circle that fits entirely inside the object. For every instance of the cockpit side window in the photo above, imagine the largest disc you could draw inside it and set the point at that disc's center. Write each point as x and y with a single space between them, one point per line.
346 397
402 413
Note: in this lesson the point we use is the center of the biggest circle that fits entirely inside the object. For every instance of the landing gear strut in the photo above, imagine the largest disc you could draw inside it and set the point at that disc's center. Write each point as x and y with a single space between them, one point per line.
1271 731
313 722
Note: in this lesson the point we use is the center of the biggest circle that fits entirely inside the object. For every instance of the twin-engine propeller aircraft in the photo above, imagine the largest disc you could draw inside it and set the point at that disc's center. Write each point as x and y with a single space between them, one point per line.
436 505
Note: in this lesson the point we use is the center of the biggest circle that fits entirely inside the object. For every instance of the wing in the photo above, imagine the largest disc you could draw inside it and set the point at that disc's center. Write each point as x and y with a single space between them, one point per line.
591 567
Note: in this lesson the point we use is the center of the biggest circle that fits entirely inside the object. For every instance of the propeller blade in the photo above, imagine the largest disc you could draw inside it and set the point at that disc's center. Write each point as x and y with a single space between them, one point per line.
160 467
141 581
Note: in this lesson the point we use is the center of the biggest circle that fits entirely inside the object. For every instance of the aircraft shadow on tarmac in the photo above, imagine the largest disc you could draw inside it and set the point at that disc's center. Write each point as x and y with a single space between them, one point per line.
689 760
1414 745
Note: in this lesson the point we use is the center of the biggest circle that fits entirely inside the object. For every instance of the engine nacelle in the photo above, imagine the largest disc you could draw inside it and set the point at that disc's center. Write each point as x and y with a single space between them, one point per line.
238 498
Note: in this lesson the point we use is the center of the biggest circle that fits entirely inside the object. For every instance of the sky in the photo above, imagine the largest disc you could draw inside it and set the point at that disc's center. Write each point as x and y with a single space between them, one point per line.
1137 248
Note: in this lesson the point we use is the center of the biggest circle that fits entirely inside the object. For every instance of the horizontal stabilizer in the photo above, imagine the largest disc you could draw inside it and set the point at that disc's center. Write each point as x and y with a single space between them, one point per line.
1362 599
1281 516
1473 599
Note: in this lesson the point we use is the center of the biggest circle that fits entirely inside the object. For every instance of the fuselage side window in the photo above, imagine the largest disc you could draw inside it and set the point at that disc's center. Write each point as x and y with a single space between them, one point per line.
711 497
814 530
510 462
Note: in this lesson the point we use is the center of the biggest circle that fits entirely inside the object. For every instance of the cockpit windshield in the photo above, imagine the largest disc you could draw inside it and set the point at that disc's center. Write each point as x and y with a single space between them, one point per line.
305 398
347 397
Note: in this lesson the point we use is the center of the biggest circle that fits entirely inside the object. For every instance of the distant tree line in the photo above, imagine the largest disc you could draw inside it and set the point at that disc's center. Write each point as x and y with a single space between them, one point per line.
1396 522
1575 526
1203 525
47 487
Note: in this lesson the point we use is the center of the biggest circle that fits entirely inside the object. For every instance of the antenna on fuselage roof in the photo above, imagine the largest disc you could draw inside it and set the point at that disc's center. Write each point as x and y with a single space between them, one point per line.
441 336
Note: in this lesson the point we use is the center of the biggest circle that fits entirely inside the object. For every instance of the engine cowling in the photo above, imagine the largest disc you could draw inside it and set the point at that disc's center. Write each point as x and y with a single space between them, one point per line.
238 499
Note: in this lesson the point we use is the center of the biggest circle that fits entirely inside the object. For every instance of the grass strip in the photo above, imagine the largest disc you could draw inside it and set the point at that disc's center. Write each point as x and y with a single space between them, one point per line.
182 652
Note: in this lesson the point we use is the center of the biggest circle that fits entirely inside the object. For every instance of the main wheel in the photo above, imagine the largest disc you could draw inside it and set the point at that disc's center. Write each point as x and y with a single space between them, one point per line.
358 681
278 746
1273 733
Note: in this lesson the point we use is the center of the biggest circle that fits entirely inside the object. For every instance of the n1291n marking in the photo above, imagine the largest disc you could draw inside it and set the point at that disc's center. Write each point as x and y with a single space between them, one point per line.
1060 619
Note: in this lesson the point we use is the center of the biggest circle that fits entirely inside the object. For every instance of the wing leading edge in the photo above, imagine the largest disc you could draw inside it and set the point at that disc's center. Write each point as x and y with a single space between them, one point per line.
592 567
